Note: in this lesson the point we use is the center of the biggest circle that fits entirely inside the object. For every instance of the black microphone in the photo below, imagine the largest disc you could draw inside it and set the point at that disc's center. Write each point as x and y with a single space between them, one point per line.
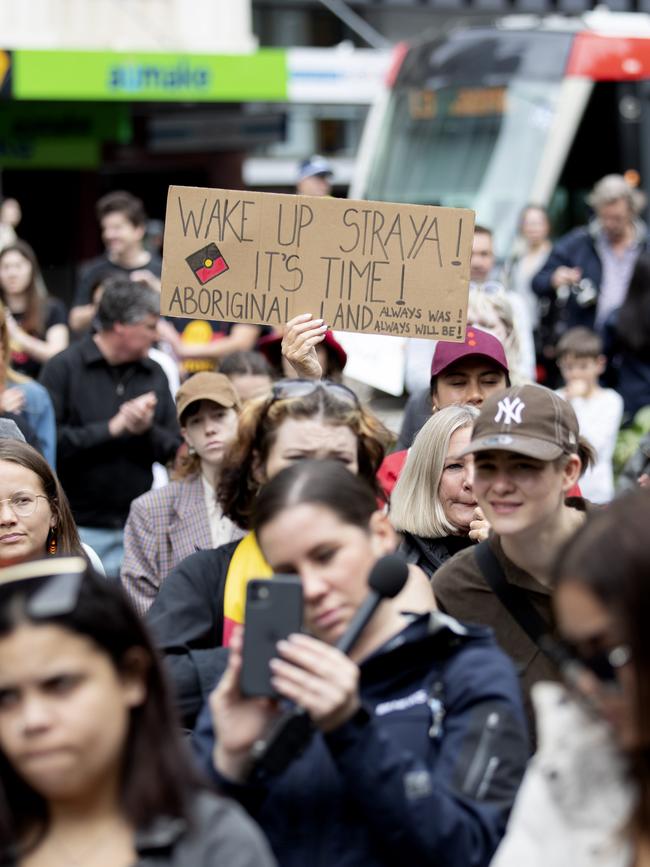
290 734
387 578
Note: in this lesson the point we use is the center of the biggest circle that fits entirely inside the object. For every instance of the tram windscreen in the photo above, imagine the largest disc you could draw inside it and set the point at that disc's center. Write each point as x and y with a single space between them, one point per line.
476 147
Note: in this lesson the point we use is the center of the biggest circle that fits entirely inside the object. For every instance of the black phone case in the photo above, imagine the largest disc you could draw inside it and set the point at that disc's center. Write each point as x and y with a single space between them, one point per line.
273 612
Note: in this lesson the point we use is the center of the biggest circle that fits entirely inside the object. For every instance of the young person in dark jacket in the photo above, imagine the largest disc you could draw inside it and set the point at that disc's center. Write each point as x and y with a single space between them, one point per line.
433 505
420 740
462 374
93 772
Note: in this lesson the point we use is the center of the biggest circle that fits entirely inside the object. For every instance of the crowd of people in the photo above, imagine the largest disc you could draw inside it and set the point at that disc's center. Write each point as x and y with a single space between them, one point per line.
491 708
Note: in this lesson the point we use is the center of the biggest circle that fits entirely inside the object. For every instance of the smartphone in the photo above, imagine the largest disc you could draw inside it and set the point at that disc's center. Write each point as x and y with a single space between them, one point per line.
273 612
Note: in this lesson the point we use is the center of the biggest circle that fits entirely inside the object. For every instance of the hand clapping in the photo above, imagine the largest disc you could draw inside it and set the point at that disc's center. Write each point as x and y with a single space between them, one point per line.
135 416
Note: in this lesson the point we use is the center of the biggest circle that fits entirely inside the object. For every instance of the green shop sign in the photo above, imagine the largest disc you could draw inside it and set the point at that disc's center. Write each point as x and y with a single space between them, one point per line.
61 135
86 75
49 153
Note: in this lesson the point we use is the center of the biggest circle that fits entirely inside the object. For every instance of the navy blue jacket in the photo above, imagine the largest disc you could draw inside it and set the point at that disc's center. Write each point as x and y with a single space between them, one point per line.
577 249
574 250
424 774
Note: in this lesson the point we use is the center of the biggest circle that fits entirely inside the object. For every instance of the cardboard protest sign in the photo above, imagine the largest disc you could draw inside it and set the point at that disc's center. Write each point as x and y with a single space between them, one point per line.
362 266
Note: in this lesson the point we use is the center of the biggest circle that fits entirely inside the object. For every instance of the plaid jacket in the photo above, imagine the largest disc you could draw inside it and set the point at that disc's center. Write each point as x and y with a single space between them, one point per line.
164 527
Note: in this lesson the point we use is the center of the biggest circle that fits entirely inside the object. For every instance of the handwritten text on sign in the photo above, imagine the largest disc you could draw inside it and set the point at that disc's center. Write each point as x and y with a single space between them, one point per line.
362 266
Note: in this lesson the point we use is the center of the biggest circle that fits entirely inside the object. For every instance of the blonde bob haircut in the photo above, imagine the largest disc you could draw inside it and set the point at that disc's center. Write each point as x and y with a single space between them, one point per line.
415 505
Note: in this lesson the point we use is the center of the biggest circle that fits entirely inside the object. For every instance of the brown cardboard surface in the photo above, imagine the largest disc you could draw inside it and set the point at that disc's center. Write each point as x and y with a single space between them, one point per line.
370 267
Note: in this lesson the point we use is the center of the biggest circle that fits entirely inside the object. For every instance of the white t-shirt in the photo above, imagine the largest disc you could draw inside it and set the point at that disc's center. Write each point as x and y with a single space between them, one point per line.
599 417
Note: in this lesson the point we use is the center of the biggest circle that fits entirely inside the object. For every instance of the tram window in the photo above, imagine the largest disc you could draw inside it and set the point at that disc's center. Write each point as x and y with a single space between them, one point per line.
603 144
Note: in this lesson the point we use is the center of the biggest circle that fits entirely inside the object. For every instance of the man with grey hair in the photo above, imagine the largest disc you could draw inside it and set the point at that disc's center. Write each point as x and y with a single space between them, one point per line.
589 269
114 413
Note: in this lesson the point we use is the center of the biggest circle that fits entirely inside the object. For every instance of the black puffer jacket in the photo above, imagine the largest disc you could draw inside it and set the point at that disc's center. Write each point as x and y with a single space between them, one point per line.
430 554
187 624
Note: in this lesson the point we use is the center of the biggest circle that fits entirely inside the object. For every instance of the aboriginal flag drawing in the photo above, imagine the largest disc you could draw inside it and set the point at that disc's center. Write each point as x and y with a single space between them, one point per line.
207 263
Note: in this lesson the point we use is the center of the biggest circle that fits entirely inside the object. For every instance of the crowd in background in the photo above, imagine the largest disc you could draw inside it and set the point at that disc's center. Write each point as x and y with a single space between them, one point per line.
493 710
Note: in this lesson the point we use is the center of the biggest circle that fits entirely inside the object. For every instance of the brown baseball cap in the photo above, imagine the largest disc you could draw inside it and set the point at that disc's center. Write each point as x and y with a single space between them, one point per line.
206 386
531 420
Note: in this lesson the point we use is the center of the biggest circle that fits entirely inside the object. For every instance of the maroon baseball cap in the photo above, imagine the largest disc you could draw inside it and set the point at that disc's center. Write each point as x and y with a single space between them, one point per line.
477 342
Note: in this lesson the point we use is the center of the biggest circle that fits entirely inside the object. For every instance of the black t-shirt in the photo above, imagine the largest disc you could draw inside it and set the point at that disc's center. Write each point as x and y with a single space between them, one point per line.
97 270
55 314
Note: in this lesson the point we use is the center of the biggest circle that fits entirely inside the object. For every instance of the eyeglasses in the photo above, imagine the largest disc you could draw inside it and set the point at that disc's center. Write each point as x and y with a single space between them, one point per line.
58 594
23 505
286 389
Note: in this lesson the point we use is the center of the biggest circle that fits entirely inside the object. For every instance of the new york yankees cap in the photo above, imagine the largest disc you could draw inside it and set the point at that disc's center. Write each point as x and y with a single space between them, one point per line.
477 342
531 420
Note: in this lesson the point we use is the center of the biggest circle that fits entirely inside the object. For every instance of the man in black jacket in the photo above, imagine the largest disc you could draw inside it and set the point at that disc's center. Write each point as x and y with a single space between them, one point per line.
115 416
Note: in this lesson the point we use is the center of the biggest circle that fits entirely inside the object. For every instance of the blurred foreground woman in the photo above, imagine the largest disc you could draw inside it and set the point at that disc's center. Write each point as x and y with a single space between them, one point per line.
91 769
419 740
585 800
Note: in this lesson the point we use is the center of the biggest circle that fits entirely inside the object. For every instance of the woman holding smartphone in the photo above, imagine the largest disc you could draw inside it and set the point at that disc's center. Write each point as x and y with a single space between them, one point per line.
202 599
420 740
92 770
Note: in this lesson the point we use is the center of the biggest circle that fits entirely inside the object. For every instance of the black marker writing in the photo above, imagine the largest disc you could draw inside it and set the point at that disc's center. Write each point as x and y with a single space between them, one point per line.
227 220
457 261
303 216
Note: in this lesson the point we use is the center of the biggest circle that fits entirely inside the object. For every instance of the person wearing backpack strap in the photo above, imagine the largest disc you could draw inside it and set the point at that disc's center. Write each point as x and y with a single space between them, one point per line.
528 454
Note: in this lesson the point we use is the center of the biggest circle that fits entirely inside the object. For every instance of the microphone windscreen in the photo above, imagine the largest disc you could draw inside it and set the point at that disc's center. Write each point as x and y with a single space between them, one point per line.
388 576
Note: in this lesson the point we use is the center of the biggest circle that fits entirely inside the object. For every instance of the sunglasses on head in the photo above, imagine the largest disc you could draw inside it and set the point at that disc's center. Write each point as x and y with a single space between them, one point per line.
57 595
286 389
